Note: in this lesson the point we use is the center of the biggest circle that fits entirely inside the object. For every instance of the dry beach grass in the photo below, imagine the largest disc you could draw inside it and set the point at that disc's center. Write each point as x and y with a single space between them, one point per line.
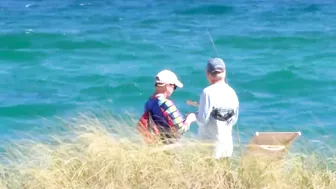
90 157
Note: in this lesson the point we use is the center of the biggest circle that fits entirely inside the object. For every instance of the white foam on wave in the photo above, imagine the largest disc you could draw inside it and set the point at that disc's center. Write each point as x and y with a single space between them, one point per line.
83 4
29 5
29 30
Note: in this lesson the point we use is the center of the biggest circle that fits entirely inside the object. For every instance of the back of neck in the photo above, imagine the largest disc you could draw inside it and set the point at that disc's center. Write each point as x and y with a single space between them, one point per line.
218 81
157 94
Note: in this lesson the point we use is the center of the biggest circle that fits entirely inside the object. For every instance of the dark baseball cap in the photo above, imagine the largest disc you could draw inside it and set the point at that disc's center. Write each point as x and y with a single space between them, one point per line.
215 65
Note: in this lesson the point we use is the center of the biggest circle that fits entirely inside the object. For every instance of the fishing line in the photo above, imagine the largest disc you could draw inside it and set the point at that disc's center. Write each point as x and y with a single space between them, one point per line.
213 44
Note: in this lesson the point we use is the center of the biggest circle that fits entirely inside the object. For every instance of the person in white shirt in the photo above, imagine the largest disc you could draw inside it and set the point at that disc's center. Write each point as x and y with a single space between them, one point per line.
218 110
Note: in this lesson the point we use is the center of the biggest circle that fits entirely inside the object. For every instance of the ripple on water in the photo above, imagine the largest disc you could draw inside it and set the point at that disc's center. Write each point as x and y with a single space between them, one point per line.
34 109
204 9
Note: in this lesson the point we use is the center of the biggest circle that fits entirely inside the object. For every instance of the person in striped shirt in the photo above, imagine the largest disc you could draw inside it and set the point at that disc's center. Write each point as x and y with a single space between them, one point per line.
168 123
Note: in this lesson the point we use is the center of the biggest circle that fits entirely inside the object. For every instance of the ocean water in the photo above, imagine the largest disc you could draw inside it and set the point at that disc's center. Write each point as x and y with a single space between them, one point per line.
60 58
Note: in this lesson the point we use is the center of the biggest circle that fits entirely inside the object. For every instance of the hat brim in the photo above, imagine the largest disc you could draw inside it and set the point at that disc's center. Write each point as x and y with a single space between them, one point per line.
178 84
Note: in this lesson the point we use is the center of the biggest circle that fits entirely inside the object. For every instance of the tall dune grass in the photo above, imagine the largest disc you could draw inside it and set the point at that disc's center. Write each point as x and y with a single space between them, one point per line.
90 155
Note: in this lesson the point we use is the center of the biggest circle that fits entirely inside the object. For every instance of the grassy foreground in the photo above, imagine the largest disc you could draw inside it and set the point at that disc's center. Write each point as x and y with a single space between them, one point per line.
89 156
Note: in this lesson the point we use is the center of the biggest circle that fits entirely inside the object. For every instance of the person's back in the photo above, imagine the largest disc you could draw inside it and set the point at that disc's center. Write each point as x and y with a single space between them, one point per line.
223 103
166 116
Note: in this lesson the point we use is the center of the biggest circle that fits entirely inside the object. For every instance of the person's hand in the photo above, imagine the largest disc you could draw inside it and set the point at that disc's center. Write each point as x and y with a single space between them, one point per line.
191 118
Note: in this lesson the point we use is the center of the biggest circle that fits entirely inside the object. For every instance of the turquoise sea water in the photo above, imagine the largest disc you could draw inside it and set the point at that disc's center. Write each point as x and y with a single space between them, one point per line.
60 58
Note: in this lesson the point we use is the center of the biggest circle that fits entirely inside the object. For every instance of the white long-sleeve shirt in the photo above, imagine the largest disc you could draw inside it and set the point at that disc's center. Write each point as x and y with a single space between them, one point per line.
219 95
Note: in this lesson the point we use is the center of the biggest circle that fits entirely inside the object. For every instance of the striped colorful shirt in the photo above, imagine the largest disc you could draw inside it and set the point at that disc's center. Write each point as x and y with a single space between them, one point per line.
165 114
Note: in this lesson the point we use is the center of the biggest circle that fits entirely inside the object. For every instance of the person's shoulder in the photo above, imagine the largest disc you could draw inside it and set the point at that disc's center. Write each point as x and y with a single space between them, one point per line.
213 89
232 92
150 100
231 89
165 101
207 89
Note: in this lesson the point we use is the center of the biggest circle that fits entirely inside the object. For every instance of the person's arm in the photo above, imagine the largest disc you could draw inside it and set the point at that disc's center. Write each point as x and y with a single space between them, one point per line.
175 118
204 109
236 115
142 124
